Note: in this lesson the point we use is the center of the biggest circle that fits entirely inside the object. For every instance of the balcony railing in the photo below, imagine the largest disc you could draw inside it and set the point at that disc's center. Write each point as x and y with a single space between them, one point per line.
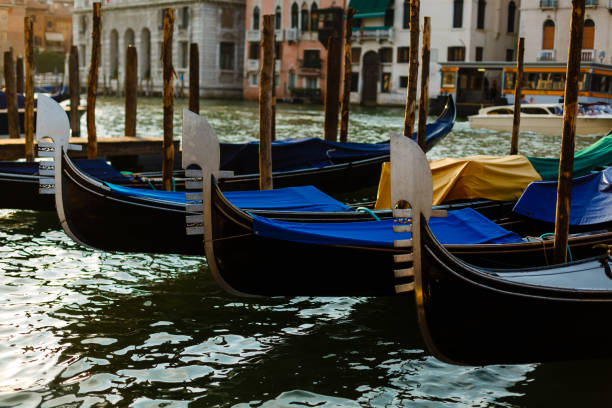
547 55
587 55
373 33
292 34
252 65
548 3
279 35
253 35
311 63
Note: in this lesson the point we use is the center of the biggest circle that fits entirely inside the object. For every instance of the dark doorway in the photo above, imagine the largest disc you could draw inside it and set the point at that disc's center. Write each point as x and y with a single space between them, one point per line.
371 73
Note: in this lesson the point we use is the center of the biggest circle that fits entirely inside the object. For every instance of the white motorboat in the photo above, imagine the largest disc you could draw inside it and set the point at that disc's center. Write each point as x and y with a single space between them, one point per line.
547 119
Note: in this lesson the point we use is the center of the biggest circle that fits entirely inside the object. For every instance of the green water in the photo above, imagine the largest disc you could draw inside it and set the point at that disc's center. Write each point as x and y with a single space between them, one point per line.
83 328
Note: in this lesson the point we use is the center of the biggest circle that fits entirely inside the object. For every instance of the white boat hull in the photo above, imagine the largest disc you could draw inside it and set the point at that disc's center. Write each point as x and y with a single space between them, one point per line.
546 125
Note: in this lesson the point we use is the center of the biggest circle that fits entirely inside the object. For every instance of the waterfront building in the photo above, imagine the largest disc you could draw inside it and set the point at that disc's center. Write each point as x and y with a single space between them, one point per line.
217 26
300 71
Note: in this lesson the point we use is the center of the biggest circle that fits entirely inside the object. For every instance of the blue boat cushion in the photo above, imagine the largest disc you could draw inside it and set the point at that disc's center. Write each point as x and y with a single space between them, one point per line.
591 199
100 169
465 226
307 198
30 168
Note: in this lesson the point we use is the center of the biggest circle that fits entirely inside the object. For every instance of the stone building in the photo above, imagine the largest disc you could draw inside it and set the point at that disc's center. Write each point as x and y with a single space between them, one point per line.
217 26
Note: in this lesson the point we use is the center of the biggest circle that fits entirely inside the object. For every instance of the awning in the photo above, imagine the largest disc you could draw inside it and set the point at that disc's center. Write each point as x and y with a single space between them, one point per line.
55 37
369 8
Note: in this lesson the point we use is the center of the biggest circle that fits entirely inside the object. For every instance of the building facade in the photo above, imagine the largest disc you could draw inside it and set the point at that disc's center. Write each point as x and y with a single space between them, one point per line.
300 70
217 26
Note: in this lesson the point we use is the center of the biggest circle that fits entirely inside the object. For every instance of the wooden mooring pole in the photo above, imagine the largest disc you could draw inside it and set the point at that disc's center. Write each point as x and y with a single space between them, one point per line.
194 78
332 87
518 89
168 99
74 85
424 97
19 74
28 114
413 69
570 111
273 118
266 83
11 95
131 89
346 86
92 82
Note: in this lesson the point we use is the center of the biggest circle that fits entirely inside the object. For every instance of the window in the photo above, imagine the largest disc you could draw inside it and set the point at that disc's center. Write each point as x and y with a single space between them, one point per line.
227 18
457 13
226 60
403 54
314 17
49 24
456 54
548 35
389 15
305 21
277 50
356 55
184 54
403 82
278 19
354 81
511 15
509 54
292 79
312 59
385 82
588 35
480 18
255 22
500 111
254 50
479 52
184 18
448 79
311 83
386 54
406 19
253 79
295 12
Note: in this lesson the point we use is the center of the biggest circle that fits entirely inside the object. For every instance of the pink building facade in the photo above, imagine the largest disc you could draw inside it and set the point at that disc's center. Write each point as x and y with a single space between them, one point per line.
300 71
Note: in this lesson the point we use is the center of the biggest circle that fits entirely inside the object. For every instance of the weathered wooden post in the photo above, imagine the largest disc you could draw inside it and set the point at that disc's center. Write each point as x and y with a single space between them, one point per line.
518 89
273 119
570 111
168 76
92 82
74 87
413 69
266 83
346 87
11 95
131 89
332 87
424 97
194 78
19 74
28 114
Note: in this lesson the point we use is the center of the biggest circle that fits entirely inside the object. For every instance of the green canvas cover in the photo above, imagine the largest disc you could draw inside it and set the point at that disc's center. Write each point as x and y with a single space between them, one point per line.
596 156
369 8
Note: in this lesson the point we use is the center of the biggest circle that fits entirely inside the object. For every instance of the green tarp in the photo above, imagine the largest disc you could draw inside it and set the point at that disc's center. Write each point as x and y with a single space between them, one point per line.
369 8
595 157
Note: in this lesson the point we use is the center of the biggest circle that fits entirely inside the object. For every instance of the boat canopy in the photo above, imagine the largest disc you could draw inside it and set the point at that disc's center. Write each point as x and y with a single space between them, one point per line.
369 8
591 200
306 198
498 178
595 157
465 226
97 168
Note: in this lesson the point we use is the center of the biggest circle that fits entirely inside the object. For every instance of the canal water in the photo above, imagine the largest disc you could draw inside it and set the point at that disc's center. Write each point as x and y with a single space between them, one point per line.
84 328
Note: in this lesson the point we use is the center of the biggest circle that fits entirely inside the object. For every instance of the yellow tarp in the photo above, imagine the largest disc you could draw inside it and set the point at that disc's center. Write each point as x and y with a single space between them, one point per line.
491 177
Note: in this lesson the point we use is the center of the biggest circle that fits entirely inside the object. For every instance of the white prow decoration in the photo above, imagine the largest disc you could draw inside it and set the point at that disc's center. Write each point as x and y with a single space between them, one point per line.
52 123
201 148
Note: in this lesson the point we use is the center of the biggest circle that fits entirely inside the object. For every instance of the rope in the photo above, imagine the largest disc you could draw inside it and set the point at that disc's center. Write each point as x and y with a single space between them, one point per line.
367 210
569 250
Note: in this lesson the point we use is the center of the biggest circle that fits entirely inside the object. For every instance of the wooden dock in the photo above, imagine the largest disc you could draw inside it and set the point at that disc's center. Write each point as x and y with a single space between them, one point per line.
13 149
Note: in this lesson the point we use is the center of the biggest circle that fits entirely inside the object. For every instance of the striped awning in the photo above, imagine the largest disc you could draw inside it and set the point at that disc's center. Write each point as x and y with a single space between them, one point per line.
369 8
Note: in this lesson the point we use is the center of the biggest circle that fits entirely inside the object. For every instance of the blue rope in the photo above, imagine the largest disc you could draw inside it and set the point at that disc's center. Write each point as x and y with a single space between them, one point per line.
569 251
173 184
367 210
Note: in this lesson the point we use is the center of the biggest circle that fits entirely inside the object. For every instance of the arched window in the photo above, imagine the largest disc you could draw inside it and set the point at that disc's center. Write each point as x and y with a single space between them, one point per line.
295 12
548 35
588 35
511 15
480 17
278 18
255 22
305 22
457 13
314 17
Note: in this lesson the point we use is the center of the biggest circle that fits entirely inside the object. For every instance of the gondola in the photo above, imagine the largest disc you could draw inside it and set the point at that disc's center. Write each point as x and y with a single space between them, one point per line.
335 168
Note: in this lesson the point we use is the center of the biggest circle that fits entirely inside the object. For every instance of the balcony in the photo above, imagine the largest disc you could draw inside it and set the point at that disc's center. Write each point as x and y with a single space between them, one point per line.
279 35
310 63
253 35
292 34
592 3
546 55
548 4
378 33
587 55
277 65
252 65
